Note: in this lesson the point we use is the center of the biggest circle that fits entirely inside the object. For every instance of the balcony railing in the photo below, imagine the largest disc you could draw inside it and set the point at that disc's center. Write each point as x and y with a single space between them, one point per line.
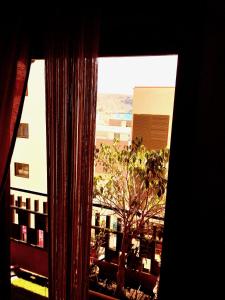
29 234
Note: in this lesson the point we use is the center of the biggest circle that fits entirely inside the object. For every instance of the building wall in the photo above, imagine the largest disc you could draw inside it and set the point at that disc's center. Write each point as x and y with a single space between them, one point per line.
32 150
154 101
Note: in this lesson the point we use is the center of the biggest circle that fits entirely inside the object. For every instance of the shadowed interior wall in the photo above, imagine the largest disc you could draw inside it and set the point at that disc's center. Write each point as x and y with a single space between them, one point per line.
193 251
193 260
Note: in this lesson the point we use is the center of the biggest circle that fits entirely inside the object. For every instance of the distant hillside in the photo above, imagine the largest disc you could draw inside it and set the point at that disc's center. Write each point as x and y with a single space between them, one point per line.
114 103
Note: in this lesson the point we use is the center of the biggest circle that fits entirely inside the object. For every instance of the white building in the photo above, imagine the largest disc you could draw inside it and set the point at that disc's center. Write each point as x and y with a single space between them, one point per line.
28 170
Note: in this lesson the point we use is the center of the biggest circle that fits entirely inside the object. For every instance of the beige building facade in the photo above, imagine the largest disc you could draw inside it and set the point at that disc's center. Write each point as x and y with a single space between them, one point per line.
152 115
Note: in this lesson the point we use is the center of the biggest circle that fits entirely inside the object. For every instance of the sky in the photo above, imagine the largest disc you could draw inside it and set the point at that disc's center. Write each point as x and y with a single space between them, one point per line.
119 75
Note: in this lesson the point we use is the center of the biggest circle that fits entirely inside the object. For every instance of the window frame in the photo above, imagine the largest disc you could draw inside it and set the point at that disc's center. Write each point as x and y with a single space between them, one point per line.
19 166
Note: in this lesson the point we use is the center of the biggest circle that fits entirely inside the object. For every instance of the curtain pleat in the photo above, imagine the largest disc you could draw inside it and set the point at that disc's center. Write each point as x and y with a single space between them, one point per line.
14 70
71 91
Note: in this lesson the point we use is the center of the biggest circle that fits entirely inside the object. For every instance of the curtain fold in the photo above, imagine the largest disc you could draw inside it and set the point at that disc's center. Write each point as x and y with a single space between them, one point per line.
71 92
14 70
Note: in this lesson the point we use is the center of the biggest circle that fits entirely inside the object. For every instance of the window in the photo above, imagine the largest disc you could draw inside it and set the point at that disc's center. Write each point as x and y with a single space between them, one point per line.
139 107
22 170
23 131
153 129
116 135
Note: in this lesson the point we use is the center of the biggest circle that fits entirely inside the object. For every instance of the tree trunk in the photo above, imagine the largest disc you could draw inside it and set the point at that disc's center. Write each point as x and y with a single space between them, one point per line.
121 268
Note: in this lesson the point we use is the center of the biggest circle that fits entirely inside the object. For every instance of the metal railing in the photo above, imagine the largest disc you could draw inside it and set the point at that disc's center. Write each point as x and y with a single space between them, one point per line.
29 227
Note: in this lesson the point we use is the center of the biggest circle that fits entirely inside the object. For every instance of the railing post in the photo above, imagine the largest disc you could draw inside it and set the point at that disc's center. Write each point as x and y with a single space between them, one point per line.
12 203
20 204
20 201
36 205
153 247
45 211
107 234
28 207
97 223
46 237
119 236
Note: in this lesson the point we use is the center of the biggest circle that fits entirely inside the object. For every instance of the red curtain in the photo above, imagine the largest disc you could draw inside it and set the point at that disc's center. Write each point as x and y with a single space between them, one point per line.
14 70
71 81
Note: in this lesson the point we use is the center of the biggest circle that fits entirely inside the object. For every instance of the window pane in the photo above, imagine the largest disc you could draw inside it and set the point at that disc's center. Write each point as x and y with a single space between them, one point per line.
23 131
22 170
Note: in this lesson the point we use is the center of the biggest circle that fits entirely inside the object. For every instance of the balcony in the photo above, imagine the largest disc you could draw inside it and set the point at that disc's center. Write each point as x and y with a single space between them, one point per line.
29 250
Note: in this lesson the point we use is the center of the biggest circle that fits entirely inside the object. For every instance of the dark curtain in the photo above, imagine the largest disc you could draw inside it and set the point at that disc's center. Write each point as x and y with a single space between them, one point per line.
71 81
193 259
14 70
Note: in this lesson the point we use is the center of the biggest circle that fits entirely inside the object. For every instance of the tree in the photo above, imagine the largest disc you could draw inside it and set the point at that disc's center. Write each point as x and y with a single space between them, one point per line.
132 184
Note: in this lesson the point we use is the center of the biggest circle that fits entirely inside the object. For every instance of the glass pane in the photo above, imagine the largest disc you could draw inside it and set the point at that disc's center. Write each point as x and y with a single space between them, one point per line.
133 130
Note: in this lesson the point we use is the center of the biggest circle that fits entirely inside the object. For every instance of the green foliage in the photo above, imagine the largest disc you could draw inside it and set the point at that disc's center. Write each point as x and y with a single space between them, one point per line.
132 183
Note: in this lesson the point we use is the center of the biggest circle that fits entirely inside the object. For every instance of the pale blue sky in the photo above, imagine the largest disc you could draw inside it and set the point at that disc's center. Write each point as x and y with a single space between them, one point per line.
121 75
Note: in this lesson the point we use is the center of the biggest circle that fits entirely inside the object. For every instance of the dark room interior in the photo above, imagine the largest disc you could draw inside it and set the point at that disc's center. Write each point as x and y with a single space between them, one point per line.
193 257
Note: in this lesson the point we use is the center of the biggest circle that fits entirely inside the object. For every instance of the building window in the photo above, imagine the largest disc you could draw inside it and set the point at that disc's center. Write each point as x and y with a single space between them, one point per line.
23 131
22 170
116 135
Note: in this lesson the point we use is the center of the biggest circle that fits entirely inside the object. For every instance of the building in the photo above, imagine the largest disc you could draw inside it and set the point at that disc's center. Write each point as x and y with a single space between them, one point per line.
151 120
28 170
152 116
113 119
